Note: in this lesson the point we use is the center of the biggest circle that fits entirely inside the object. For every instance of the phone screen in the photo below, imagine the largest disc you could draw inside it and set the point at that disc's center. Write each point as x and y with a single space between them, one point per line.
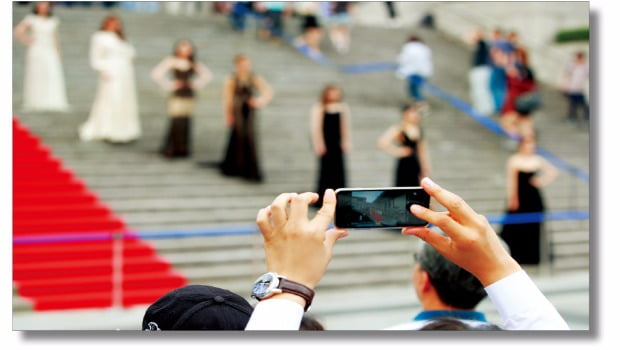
379 207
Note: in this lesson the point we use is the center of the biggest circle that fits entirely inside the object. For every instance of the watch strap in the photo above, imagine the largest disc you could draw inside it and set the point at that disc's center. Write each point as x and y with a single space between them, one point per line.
299 289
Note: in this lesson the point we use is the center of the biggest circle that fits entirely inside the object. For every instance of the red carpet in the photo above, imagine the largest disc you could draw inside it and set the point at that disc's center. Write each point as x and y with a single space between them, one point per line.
76 272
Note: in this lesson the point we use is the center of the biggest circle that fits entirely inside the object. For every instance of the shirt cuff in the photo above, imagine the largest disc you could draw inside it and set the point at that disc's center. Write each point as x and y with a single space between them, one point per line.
276 314
522 305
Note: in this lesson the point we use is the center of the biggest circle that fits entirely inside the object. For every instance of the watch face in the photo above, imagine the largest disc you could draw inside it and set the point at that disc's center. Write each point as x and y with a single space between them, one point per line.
264 286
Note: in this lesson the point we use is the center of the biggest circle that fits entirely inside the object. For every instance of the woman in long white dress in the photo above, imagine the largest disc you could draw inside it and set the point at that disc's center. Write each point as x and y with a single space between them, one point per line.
114 115
44 82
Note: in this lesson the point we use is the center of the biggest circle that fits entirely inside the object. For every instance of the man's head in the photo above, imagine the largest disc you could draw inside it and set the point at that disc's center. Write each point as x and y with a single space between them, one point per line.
441 284
197 307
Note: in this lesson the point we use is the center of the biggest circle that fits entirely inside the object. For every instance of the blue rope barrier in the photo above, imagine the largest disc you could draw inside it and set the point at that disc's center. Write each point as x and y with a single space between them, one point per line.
63 238
251 229
188 233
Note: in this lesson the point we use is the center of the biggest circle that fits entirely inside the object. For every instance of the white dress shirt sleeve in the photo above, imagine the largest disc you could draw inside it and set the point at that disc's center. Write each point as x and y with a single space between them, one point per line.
522 305
276 314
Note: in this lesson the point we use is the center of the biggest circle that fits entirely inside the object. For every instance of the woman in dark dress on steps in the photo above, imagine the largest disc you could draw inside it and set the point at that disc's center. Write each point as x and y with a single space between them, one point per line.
527 172
240 103
405 141
176 74
331 139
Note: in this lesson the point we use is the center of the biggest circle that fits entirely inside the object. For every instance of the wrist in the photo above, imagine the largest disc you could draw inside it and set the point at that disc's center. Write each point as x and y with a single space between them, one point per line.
274 285
499 271
289 296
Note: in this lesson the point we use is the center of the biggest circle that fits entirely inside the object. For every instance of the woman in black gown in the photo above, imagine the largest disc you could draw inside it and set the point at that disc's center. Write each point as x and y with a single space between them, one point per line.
176 74
240 104
405 141
331 138
527 172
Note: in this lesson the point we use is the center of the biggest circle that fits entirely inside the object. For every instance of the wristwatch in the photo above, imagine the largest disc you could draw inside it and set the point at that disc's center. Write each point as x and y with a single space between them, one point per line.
271 283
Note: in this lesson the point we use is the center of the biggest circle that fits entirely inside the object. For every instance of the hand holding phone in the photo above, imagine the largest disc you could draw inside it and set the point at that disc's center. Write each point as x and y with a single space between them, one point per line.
379 207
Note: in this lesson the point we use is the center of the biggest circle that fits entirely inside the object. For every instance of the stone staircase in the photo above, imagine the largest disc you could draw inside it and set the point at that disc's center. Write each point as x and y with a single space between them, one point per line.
153 194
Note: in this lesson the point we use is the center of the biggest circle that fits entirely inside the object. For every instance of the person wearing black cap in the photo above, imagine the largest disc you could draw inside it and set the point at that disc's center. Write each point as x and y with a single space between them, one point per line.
197 307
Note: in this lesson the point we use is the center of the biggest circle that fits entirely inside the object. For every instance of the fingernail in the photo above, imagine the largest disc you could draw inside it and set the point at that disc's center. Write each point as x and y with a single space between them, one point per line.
329 194
416 209
427 182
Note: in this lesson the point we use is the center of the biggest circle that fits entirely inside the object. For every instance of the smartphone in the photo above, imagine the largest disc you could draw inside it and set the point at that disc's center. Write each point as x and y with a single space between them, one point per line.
379 207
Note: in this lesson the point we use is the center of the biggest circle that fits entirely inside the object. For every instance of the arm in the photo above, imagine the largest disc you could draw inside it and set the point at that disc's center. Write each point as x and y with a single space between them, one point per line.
512 187
265 93
295 247
57 44
98 55
227 101
563 80
158 74
471 243
21 32
316 130
549 173
522 305
387 140
425 159
204 76
345 128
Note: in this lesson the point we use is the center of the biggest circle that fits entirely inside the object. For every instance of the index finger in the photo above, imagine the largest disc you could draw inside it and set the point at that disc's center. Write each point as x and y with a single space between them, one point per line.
278 208
457 207
299 205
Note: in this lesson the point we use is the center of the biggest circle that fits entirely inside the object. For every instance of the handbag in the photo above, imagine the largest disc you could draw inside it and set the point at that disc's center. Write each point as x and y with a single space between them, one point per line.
528 102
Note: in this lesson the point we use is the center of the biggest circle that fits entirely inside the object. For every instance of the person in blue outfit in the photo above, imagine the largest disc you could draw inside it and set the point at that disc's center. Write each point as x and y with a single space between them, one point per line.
444 290
415 64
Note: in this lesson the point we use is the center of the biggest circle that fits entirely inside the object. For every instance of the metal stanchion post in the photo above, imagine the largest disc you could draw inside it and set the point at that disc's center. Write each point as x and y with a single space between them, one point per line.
117 269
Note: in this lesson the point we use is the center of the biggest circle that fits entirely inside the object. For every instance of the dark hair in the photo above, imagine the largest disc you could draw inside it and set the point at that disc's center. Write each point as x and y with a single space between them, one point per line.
522 56
326 89
455 324
404 108
414 38
455 286
309 323
525 138
192 57
109 18
580 54
36 5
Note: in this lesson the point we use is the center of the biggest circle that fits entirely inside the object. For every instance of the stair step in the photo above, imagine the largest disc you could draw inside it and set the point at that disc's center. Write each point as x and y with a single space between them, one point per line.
76 251
92 267
131 281
37 212
106 223
571 249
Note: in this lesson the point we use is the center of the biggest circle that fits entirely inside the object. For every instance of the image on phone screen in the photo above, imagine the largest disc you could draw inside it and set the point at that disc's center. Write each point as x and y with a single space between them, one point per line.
368 208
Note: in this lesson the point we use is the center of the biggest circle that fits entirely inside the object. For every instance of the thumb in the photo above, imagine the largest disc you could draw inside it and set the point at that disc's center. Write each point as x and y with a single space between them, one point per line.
331 236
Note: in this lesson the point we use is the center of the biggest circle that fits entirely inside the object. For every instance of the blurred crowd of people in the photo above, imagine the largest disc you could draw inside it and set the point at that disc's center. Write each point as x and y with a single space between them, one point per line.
270 19
503 82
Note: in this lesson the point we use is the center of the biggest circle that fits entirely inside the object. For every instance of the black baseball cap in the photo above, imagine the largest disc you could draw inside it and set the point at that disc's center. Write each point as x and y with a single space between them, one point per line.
198 307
